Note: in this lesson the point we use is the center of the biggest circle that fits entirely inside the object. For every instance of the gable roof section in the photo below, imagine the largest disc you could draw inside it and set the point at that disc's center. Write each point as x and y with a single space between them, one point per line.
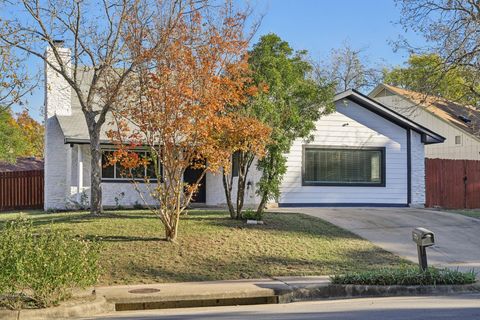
428 136
75 130
442 108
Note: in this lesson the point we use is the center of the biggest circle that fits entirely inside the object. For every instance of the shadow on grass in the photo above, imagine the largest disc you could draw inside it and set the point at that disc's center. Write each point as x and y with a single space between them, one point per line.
265 266
279 222
45 218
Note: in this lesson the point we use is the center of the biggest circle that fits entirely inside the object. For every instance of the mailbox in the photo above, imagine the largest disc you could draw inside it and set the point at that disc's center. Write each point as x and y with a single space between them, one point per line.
423 237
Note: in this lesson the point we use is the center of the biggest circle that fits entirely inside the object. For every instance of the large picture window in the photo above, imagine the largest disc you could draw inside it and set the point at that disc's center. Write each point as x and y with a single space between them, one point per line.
117 172
343 166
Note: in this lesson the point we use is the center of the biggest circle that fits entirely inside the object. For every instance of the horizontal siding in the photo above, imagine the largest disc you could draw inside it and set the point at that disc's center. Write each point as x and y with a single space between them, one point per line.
350 126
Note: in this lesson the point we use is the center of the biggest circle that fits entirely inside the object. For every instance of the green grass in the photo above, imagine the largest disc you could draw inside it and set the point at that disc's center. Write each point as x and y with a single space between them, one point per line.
408 275
474 213
211 246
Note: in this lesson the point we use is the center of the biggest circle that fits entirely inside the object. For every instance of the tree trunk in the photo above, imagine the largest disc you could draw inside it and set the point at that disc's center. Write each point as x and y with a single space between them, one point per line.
262 204
240 194
265 193
227 186
170 234
245 161
243 166
172 230
95 175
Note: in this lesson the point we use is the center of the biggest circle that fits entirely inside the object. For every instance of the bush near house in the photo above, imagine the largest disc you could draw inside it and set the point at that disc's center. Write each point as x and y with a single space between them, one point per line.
40 266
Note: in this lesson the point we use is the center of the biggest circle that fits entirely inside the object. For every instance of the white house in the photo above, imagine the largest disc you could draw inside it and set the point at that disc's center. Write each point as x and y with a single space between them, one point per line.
459 124
363 154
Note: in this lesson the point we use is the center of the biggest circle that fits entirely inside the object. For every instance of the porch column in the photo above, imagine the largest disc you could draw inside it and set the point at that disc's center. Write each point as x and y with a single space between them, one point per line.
68 173
80 172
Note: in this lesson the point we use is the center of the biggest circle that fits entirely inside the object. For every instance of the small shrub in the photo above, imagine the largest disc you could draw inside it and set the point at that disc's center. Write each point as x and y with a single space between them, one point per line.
250 214
137 206
406 276
40 267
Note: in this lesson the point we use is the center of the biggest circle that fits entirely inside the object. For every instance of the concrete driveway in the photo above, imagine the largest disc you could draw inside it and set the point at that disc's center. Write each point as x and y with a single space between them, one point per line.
457 236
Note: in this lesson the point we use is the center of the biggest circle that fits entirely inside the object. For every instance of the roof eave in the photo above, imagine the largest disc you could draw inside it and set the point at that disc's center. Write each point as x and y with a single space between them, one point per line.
389 114
69 140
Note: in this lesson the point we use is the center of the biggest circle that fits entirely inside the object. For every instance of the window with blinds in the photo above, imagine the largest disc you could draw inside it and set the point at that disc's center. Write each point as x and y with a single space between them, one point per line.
338 167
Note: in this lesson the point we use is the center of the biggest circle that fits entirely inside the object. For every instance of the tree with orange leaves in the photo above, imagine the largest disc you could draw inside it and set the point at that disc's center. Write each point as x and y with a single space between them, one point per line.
181 104
33 132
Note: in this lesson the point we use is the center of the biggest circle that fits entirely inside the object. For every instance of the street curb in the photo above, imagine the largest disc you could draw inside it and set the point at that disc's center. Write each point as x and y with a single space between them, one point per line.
73 308
336 291
195 303
85 305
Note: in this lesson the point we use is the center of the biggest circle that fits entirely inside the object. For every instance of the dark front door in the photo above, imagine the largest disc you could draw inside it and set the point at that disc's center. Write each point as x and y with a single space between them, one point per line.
191 176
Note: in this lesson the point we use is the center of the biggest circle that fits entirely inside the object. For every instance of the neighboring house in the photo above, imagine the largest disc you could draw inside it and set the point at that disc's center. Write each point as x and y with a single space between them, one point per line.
459 124
362 154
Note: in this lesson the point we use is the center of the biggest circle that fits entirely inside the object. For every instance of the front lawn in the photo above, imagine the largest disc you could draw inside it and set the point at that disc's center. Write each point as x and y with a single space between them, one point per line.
474 213
212 247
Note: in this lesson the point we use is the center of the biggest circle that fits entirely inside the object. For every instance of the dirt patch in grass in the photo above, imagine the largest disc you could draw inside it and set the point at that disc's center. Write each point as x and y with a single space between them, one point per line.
211 246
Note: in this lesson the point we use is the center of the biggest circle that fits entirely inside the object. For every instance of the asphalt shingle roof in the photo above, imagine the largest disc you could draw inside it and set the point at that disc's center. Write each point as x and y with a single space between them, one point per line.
75 128
445 109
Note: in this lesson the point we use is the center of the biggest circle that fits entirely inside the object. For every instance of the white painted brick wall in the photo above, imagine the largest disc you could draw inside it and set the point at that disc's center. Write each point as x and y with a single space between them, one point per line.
216 192
57 102
56 169
418 171
124 191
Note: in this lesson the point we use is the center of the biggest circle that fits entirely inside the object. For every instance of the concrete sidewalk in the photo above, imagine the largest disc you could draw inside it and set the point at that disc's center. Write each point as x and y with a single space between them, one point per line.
207 293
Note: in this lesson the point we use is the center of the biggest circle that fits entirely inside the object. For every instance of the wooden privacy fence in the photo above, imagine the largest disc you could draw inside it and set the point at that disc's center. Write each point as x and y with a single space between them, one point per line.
452 184
21 190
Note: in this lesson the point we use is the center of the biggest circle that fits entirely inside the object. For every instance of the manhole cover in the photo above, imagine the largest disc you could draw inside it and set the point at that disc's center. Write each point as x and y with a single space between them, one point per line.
144 290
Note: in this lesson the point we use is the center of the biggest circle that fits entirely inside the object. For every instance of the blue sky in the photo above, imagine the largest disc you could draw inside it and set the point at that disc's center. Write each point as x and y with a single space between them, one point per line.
319 26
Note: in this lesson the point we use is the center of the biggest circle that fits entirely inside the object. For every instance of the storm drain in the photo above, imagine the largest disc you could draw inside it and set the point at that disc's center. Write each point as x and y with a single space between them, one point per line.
144 290
127 306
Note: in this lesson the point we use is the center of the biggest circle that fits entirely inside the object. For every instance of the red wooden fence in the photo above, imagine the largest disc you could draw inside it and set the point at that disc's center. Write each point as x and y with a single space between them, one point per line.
21 190
452 184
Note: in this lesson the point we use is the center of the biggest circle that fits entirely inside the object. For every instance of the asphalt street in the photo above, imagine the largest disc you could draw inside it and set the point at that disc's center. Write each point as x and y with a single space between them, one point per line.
465 307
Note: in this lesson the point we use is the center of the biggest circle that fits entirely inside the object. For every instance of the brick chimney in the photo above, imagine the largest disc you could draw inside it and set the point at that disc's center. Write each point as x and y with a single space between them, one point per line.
57 154
57 90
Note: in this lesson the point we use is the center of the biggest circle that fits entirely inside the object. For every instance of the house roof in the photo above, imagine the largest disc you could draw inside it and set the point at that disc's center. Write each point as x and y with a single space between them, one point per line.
428 136
22 164
464 117
74 126
75 129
